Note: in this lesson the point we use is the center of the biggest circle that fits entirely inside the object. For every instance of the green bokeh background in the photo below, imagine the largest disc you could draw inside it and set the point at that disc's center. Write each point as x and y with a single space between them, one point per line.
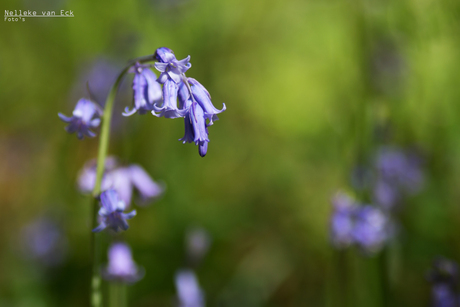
307 84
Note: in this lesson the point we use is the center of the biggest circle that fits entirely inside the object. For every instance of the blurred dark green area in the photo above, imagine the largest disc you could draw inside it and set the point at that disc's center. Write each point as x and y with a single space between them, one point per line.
311 88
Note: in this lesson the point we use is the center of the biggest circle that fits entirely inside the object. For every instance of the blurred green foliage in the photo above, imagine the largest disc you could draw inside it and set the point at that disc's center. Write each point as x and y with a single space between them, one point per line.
307 84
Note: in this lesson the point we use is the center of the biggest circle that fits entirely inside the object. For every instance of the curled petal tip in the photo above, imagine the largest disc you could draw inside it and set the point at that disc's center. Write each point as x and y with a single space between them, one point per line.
127 112
90 134
64 118
99 228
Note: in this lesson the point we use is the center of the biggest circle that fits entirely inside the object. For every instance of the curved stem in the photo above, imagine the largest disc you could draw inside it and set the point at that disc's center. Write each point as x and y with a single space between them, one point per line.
96 295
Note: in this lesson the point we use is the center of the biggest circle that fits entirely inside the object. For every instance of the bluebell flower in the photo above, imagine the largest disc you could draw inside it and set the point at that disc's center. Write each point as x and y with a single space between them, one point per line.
200 129
84 117
196 129
172 73
164 55
121 266
111 213
372 229
342 220
169 66
199 109
87 175
194 100
168 108
146 90
444 278
444 295
123 179
203 98
189 293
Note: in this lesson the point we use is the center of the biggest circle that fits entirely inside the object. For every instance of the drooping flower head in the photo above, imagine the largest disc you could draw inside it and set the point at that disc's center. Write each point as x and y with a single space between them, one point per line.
342 220
444 279
172 73
202 96
84 117
121 266
146 90
372 229
111 213
189 292
168 108
200 108
123 179
194 100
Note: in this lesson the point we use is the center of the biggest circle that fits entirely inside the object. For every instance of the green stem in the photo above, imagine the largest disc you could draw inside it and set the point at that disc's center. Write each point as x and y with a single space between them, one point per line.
117 294
96 295
123 289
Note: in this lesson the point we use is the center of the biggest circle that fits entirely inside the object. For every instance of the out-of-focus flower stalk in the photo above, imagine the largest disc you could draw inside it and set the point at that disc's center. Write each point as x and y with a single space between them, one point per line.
96 295
117 294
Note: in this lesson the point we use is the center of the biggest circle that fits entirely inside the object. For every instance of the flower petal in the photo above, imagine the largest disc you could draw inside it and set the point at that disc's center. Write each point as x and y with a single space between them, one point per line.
109 200
64 118
144 183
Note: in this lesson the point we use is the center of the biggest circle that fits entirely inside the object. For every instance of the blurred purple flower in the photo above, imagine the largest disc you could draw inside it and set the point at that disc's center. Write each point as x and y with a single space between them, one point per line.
372 229
342 220
84 117
87 176
444 278
443 295
398 172
197 244
401 167
123 179
44 241
146 89
111 212
121 266
189 293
